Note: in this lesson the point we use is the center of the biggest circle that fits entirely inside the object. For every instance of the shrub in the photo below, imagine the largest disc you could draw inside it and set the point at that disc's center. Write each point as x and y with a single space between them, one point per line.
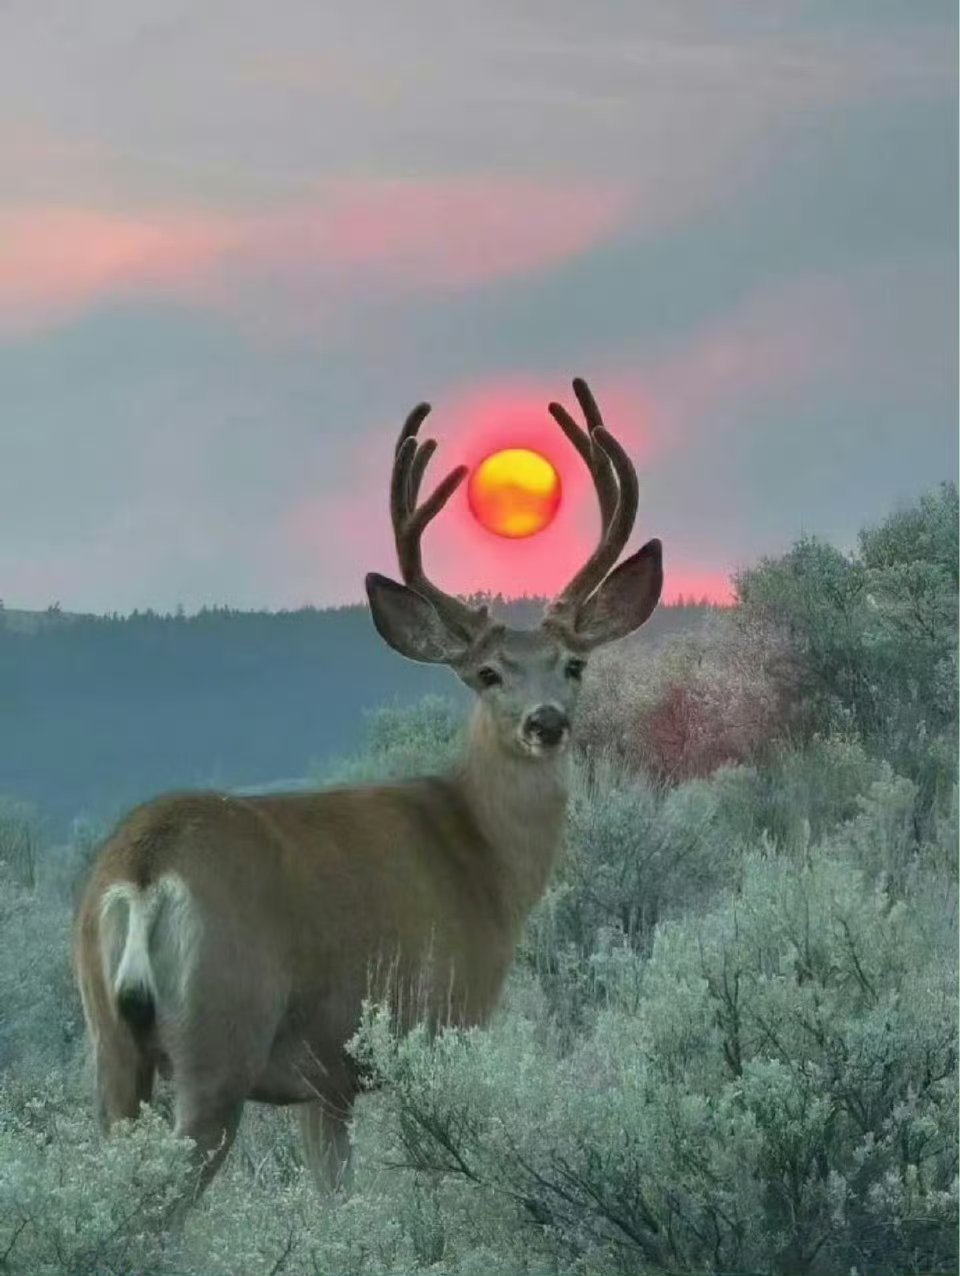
638 852
71 1203
872 636
799 794
403 741
635 853
781 1097
21 839
40 1020
698 703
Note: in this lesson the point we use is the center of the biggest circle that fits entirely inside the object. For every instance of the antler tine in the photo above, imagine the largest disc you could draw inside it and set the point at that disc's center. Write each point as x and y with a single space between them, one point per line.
412 425
418 467
596 460
404 489
617 491
409 521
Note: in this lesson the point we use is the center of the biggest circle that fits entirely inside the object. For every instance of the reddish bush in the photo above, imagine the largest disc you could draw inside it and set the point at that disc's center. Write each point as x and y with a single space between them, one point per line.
691 732
700 702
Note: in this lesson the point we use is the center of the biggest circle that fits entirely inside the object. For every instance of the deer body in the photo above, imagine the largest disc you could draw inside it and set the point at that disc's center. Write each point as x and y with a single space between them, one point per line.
302 903
229 942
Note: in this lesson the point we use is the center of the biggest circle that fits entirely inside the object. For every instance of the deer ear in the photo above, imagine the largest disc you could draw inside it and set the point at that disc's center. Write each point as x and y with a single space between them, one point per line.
624 600
409 624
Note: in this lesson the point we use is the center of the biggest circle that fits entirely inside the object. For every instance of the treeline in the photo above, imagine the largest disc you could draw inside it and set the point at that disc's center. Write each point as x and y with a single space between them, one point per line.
99 712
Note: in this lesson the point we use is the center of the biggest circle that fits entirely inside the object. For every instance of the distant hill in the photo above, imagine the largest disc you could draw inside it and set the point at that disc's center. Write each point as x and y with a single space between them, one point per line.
97 713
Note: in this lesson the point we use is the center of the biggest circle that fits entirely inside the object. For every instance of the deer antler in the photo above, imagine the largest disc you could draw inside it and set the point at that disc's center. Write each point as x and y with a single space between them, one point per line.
409 520
615 481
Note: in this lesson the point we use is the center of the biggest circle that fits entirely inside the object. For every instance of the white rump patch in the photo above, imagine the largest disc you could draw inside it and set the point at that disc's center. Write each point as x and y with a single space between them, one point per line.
149 939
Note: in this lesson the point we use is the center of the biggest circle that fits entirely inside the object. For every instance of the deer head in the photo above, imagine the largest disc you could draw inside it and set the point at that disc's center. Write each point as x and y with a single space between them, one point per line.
527 681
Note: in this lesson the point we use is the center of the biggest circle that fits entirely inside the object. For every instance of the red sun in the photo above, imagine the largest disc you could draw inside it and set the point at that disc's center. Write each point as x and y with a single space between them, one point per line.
514 493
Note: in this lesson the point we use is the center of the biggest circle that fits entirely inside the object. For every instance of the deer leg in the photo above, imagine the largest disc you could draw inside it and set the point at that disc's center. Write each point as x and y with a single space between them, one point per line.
211 1121
124 1076
215 1062
326 1144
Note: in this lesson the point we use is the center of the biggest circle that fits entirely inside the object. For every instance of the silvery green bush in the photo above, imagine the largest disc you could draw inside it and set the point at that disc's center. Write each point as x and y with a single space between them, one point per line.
72 1203
21 839
773 1090
402 741
40 1021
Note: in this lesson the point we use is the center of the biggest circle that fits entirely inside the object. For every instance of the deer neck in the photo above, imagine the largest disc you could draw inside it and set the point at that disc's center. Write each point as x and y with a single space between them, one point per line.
519 806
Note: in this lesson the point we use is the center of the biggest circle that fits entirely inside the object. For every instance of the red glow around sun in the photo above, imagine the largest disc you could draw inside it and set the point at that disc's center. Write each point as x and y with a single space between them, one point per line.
514 493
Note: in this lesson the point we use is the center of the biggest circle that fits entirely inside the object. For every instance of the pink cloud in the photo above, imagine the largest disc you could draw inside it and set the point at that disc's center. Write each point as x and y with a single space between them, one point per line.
461 232
349 239
688 583
56 261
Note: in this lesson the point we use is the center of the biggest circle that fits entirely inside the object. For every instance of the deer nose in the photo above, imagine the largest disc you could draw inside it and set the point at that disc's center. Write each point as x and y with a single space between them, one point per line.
548 724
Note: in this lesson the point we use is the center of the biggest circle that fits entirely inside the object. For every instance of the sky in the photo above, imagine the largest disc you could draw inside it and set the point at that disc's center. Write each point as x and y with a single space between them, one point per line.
239 241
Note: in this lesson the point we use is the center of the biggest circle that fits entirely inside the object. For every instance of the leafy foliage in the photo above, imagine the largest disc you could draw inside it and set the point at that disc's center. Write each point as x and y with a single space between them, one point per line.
873 637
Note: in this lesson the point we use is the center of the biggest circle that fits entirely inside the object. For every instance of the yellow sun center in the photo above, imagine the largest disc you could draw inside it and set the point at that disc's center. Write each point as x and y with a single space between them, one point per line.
515 492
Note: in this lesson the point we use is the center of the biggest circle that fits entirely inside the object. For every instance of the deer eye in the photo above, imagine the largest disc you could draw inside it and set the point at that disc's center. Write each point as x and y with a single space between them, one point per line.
574 668
488 676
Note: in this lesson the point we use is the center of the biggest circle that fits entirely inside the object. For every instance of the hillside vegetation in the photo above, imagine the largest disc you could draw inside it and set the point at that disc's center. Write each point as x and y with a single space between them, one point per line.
730 1041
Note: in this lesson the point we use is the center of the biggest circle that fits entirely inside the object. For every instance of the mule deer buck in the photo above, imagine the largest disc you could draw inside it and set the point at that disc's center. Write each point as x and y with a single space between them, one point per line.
229 942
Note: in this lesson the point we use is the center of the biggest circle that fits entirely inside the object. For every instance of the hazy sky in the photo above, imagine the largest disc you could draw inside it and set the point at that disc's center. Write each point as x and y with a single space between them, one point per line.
239 240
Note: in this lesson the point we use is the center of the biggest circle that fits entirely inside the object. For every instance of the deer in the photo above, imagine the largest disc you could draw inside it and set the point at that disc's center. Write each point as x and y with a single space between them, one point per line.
228 943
